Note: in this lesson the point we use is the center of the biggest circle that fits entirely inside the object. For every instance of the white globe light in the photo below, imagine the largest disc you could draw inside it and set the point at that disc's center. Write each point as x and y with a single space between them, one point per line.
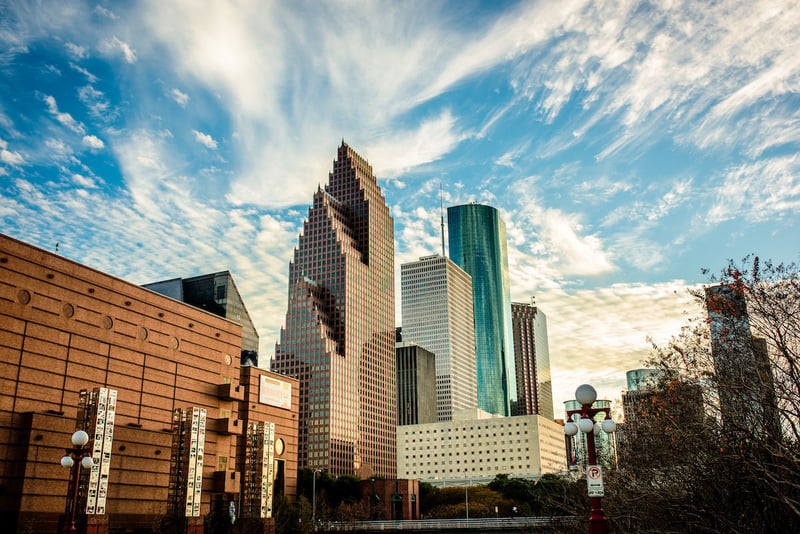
596 429
66 461
586 425
80 438
585 394
87 462
570 428
609 426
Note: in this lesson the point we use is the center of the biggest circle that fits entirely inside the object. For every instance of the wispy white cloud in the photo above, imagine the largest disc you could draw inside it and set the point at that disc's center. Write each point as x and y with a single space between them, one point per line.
179 96
148 168
658 68
83 181
58 149
560 237
64 118
75 51
758 190
221 47
93 142
91 78
398 152
577 253
105 12
508 158
98 104
117 46
205 139
10 157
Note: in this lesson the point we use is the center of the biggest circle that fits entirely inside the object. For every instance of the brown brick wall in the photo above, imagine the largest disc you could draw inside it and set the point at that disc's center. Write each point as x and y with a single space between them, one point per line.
65 327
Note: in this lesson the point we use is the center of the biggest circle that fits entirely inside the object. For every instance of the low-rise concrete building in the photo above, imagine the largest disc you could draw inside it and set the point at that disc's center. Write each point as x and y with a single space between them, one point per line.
477 446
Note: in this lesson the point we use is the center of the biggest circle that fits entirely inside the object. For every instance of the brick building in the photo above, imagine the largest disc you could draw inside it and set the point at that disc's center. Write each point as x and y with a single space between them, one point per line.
66 328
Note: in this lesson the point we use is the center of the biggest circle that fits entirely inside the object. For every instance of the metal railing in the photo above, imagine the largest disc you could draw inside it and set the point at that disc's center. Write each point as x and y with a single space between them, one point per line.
477 524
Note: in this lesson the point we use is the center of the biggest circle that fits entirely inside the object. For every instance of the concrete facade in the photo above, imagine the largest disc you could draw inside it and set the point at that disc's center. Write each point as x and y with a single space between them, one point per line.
438 315
477 446
65 327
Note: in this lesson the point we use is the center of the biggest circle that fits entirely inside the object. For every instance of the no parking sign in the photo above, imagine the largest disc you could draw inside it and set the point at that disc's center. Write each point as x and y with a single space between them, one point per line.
594 480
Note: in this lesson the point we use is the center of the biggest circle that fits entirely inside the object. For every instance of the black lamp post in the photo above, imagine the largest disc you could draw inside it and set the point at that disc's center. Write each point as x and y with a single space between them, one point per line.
586 395
77 456
314 501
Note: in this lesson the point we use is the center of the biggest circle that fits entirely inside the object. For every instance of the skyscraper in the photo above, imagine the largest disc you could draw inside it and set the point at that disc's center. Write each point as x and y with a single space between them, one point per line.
744 377
339 338
478 245
532 361
437 312
416 384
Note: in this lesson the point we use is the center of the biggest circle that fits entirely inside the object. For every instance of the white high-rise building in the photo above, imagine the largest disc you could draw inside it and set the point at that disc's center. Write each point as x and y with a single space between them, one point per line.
437 309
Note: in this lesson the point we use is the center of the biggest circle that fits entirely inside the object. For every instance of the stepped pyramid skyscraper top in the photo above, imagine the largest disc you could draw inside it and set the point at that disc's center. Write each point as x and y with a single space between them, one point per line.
339 337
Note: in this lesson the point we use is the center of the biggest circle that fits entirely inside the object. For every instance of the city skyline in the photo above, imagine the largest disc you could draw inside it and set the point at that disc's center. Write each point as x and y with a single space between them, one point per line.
627 147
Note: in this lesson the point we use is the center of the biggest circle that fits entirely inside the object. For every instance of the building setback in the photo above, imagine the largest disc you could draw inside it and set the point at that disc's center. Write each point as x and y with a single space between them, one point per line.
532 361
438 315
66 328
416 384
339 335
477 237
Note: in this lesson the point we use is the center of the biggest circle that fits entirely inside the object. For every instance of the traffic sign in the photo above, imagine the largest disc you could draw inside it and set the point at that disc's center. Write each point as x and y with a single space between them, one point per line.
594 480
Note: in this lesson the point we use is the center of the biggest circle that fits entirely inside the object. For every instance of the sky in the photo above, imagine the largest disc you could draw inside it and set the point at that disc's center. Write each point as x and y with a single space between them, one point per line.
628 145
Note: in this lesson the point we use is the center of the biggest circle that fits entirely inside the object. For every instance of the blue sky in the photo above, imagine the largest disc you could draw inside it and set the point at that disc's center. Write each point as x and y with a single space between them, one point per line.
627 144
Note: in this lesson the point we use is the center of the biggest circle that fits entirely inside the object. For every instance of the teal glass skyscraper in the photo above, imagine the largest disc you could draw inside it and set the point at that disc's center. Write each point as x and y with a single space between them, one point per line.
478 245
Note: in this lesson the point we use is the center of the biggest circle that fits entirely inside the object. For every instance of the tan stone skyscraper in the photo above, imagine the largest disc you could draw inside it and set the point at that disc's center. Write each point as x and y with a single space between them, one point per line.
339 338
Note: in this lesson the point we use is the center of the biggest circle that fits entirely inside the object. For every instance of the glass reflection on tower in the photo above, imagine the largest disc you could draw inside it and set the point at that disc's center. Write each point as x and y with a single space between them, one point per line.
477 237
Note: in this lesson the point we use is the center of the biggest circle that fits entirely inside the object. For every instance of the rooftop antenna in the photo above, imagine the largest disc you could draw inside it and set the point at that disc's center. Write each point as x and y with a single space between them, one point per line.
441 211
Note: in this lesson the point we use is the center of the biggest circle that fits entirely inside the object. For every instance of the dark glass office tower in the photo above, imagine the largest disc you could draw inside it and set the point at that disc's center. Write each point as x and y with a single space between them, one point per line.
416 384
339 338
478 245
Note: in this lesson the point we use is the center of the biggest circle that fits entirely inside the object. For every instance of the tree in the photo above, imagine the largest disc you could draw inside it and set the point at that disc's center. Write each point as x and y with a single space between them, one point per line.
717 446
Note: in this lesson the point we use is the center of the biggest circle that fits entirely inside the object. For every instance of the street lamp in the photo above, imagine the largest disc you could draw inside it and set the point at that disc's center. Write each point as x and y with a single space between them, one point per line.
77 456
314 500
586 395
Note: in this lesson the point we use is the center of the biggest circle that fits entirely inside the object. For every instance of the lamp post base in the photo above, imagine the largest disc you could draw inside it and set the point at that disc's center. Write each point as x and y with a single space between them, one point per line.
597 522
